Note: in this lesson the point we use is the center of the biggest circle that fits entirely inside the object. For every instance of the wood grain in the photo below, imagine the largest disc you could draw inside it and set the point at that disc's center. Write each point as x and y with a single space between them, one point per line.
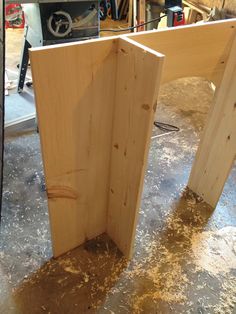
75 90
141 14
217 149
193 50
138 78
95 104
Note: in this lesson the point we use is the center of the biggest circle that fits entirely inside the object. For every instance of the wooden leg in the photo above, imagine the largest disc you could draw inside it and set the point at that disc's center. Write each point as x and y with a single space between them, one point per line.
95 143
138 79
217 149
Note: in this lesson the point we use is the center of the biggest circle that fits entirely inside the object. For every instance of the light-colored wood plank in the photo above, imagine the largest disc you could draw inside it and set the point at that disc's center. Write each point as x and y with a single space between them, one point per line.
230 7
130 15
122 9
138 79
217 149
192 17
193 50
75 91
204 10
141 14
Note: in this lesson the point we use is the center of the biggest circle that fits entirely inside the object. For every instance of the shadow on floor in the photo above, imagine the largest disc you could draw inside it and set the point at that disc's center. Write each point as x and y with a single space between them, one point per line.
80 280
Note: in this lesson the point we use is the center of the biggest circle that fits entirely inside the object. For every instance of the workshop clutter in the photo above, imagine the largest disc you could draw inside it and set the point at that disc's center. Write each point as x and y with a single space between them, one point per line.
14 16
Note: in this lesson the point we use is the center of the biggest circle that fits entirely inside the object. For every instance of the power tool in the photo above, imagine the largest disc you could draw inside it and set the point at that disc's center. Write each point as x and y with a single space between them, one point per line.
172 8
175 16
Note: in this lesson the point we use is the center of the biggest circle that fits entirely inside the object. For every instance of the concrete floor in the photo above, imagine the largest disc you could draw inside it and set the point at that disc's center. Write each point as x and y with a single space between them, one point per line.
185 252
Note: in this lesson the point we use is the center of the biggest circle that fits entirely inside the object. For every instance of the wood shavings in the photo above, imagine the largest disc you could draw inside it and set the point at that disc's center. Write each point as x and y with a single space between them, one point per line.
215 251
164 270
69 266
71 270
227 298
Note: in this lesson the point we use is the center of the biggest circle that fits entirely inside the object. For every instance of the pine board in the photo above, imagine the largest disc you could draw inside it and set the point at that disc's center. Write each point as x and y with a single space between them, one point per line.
77 90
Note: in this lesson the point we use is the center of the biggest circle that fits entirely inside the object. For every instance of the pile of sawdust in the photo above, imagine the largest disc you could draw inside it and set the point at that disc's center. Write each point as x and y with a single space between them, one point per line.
211 251
162 266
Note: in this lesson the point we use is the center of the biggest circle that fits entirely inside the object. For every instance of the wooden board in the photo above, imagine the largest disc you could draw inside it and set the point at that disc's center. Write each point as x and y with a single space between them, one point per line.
138 79
141 14
76 91
217 149
193 50
228 5
194 10
130 13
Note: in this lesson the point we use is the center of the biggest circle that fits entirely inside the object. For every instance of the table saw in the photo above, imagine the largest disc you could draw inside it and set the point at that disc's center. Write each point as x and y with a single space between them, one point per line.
55 21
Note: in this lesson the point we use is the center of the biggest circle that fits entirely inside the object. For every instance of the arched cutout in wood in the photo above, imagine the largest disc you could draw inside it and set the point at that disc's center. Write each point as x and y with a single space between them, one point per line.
95 145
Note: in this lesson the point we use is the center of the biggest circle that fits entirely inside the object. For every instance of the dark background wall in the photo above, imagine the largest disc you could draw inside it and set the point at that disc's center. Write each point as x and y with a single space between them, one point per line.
2 93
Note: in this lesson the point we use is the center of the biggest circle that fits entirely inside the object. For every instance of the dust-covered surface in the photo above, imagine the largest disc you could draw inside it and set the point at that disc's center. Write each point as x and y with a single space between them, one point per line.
185 252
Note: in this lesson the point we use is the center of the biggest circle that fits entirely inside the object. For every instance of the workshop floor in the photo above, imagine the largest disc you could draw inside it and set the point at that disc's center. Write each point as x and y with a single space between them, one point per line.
16 105
185 252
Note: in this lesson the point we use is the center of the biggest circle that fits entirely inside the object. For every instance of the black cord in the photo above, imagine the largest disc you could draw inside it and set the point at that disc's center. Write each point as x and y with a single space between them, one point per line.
166 127
132 27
